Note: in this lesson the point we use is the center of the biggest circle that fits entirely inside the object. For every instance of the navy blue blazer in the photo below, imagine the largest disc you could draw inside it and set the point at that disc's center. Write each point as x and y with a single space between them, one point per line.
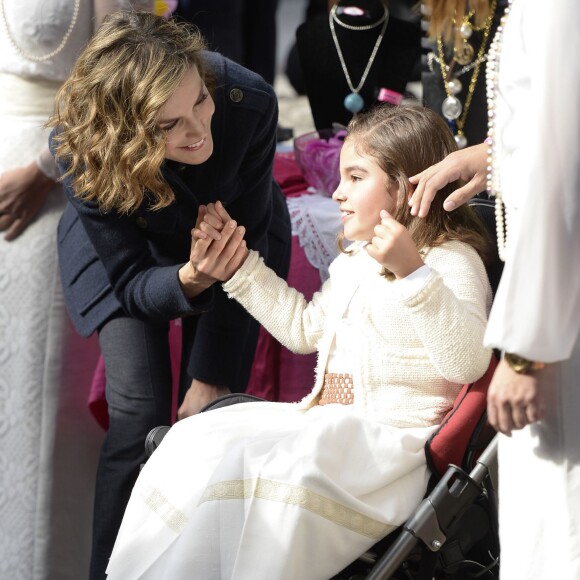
112 264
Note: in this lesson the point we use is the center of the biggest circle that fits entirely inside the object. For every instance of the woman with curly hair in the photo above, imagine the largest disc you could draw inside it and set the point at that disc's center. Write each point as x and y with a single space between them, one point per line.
149 129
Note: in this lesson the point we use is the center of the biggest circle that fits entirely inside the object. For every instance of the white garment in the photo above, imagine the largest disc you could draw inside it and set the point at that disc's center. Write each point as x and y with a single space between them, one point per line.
48 441
316 221
536 312
297 491
430 340
265 491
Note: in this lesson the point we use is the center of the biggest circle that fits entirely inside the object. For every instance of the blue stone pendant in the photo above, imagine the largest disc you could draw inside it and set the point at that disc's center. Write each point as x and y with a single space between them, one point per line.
354 103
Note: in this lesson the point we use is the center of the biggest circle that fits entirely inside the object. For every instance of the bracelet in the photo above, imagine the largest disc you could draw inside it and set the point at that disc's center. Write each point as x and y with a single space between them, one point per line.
522 365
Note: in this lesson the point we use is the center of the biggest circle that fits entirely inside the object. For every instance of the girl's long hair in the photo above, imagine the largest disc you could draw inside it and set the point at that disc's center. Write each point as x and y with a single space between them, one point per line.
404 140
106 113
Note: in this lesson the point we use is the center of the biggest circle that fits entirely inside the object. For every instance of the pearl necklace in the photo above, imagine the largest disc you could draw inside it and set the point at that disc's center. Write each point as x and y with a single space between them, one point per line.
44 57
452 109
493 177
353 102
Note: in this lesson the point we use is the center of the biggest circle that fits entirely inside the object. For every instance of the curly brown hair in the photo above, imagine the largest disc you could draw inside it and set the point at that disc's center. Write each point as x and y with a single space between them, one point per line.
106 113
404 140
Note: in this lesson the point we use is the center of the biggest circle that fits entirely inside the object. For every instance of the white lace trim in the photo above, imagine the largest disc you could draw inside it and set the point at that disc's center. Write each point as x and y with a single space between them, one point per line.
316 221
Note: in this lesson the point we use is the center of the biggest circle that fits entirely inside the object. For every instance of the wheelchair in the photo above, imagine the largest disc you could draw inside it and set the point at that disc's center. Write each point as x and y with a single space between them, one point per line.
453 533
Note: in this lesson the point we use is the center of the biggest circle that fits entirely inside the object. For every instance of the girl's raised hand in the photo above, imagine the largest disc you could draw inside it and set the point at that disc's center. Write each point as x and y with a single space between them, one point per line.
393 247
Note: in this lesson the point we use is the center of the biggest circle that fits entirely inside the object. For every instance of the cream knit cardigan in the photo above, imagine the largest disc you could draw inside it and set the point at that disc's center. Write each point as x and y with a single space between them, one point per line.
411 354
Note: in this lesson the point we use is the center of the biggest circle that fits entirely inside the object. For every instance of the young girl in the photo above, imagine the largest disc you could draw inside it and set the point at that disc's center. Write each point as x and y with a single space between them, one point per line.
285 491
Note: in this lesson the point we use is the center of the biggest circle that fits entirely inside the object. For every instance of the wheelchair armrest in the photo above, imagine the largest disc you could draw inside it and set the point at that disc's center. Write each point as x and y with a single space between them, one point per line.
154 438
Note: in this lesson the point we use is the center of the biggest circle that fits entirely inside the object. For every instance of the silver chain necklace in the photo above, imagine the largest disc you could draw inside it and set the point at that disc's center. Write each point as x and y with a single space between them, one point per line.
353 102
363 27
44 57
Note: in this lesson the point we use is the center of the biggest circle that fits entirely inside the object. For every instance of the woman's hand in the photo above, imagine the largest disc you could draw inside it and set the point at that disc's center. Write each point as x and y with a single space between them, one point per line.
393 247
514 400
198 396
218 249
23 193
469 165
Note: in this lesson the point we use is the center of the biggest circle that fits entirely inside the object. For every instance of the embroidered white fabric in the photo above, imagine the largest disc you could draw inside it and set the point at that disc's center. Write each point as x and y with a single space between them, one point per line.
49 443
316 221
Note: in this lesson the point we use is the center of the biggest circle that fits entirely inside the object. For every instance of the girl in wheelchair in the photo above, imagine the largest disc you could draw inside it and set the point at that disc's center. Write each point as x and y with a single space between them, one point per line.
274 491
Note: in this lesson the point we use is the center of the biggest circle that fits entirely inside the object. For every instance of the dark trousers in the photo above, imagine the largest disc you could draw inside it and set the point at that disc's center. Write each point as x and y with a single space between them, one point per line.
138 371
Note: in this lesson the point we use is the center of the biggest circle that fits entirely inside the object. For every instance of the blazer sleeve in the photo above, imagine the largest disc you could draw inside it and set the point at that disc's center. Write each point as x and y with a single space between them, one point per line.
217 352
144 289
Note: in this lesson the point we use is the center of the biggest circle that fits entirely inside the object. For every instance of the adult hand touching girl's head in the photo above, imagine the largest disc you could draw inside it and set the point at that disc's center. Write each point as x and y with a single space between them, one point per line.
468 165
379 154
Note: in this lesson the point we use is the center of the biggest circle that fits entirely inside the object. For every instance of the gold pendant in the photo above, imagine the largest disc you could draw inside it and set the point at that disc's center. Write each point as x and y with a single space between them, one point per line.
464 55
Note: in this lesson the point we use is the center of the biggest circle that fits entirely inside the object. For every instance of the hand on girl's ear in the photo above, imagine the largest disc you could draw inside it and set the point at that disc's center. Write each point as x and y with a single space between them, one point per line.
393 247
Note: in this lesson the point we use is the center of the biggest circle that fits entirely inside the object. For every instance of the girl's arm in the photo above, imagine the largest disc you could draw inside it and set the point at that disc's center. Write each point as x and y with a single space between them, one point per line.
282 310
449 312
449 308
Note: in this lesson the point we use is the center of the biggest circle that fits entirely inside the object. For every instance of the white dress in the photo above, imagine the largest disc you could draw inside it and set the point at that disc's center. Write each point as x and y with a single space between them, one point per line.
48 442
536 312
282 491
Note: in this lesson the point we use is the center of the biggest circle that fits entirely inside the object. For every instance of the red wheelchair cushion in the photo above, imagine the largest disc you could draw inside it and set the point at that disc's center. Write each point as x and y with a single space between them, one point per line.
450 442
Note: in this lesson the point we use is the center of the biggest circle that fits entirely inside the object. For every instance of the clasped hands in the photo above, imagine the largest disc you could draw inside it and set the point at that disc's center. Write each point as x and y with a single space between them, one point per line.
218 249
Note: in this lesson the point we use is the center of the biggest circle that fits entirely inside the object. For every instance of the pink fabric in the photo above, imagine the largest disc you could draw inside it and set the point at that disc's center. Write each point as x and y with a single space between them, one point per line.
289 175
97 399
277 374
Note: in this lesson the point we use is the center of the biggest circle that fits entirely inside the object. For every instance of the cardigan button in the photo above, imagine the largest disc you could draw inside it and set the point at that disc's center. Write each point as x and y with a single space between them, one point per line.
141 222
236 95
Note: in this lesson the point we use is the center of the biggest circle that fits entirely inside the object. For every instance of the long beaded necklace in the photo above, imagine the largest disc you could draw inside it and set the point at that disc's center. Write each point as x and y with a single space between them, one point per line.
51 54
353 102
493 177
452 109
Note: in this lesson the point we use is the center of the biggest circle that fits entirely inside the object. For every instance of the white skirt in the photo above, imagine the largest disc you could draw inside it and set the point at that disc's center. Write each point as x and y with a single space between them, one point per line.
268 492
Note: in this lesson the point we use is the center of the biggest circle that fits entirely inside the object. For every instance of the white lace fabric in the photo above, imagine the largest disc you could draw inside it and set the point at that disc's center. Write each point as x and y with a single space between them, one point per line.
316 221
48 440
